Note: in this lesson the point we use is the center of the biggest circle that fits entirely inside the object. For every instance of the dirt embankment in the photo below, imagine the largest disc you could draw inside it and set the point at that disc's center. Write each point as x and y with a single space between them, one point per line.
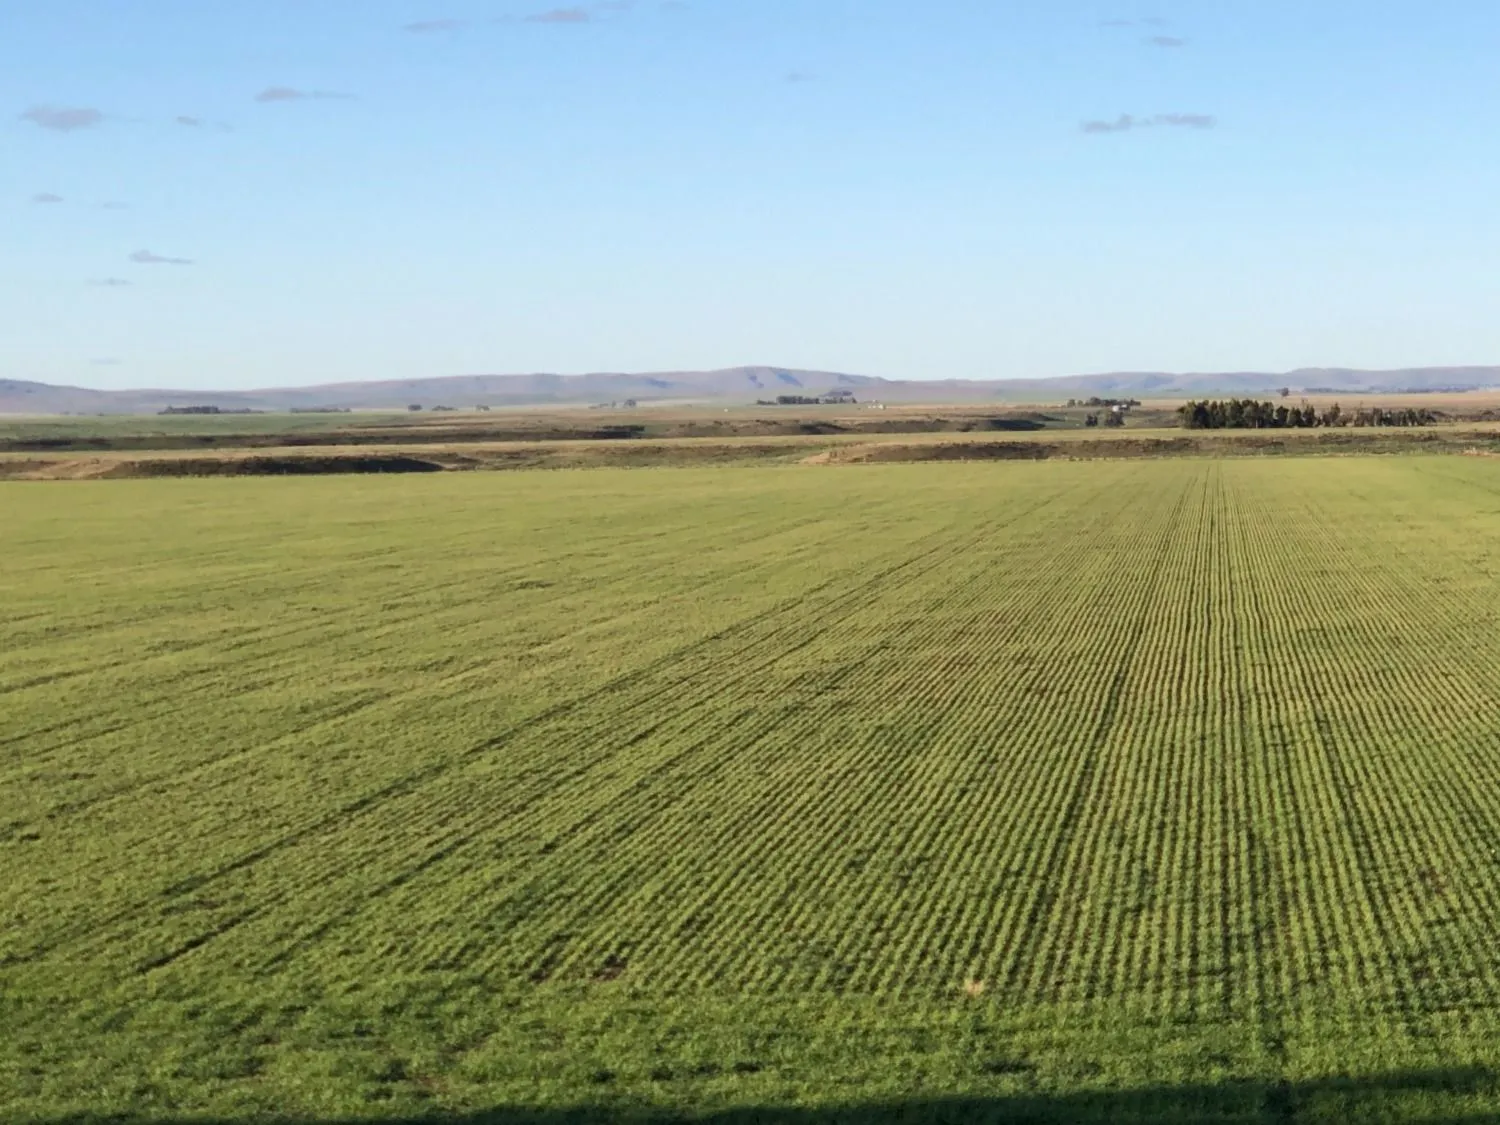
146 467
515 432
1195 445
887 452
805 450
295 462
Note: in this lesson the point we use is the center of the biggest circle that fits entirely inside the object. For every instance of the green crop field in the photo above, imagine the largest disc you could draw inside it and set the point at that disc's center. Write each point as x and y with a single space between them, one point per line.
1159 791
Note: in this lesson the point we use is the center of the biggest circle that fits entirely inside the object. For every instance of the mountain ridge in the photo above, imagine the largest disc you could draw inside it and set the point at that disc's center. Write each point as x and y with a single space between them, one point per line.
733 385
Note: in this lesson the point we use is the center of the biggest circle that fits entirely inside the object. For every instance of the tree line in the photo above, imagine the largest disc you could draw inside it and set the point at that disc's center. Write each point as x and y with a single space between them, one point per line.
1247 414
836 398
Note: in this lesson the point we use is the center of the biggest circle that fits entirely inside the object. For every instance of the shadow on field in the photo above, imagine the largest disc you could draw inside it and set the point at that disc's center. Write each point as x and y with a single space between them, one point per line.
295 465
1410 1095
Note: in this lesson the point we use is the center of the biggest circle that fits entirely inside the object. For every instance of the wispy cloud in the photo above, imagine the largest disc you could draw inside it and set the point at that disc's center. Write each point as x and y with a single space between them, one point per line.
581 13
291 94
110 283
187 121
1166 41
63 119
106 361
562 15
1144 21
796 77
574 14
429 27
147 258
1126 123
114 205
46 197
1186 120
1122 124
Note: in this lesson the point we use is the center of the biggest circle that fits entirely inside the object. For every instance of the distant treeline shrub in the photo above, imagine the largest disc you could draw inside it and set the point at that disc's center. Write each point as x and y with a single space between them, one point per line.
835 398
1113 419
1247 414
208 410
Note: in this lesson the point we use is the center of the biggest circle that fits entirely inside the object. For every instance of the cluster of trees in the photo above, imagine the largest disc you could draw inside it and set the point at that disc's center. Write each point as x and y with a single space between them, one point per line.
1113 419
208 410
834 398
1377 416
442 408
1247 414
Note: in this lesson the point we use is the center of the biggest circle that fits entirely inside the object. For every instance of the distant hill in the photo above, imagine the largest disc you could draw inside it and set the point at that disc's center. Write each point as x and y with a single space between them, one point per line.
733 385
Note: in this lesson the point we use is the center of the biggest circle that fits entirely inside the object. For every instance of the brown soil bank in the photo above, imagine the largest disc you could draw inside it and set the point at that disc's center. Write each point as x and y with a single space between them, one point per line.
689 452
1198 445
296 462
475 432
1006 451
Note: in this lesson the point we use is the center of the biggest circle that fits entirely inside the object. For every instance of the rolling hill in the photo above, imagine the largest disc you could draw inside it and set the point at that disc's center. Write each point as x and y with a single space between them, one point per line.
732 385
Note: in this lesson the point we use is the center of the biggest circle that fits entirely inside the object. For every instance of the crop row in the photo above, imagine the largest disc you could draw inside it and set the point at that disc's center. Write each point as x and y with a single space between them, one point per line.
1207 739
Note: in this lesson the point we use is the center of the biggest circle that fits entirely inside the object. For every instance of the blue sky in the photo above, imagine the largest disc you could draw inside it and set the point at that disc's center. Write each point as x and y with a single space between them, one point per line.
952 188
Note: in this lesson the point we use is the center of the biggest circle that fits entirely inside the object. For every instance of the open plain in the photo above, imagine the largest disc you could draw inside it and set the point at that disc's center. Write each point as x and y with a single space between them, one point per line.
115 447
1160 790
